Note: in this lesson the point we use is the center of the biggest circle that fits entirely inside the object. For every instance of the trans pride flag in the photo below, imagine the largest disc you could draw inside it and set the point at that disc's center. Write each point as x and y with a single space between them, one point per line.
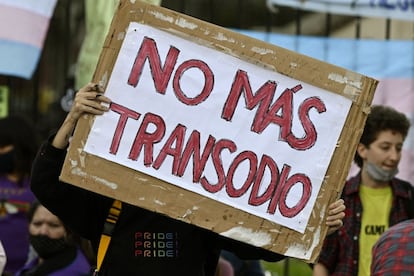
389 61
23 28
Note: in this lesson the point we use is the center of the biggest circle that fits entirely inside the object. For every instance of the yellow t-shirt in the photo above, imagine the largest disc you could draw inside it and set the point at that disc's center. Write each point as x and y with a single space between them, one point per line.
376 204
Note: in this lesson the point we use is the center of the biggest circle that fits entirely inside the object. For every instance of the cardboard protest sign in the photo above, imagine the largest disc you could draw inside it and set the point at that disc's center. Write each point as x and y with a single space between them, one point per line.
220 130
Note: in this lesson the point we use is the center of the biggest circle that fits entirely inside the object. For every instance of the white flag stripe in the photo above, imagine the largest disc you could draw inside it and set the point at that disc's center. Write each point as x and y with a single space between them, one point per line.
42 7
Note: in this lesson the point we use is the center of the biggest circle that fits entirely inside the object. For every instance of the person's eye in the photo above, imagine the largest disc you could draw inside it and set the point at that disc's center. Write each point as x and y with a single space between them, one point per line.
385 148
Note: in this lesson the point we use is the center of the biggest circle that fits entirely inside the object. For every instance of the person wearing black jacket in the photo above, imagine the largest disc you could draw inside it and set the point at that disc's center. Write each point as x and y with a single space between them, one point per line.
192 250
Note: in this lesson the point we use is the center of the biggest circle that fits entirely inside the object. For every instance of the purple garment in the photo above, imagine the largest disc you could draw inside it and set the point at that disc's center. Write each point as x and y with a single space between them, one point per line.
79 266
15 201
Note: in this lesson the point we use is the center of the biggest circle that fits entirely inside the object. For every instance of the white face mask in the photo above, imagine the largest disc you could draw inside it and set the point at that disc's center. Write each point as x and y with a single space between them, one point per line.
380 174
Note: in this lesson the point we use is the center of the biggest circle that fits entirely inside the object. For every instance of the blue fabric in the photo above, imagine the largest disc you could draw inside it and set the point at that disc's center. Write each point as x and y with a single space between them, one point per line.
374 58
18 59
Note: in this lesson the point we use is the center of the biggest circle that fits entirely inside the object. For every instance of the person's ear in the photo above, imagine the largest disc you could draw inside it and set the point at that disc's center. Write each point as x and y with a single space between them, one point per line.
362 151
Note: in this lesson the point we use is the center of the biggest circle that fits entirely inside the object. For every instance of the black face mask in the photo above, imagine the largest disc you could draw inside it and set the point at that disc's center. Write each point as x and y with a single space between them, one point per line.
7 162
47 247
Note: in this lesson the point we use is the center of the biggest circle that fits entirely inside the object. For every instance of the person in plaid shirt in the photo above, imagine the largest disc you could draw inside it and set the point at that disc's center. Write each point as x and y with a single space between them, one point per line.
393 253
375 199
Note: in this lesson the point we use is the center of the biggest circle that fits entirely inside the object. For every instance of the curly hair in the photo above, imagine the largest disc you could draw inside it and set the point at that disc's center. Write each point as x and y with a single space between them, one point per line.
382 118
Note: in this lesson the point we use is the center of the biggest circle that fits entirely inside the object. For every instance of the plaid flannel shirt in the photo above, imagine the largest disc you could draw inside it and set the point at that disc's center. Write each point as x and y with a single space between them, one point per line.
393 253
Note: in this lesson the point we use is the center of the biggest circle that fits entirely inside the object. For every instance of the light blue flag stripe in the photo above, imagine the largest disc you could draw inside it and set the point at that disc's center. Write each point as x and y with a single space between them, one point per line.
374 58
18 59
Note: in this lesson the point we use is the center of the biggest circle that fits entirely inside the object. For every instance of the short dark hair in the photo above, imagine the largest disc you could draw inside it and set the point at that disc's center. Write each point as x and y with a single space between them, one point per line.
19 131
382 118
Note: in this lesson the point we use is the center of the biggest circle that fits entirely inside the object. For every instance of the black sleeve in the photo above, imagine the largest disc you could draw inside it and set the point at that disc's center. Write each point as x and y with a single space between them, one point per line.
81 210
409 203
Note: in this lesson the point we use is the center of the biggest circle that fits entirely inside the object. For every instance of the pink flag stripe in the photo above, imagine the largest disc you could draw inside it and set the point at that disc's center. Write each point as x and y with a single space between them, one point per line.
406 168
22 26
42 7
396 92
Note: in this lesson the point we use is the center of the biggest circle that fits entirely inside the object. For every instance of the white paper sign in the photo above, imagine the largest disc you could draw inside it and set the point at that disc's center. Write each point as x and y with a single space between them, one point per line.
218 126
